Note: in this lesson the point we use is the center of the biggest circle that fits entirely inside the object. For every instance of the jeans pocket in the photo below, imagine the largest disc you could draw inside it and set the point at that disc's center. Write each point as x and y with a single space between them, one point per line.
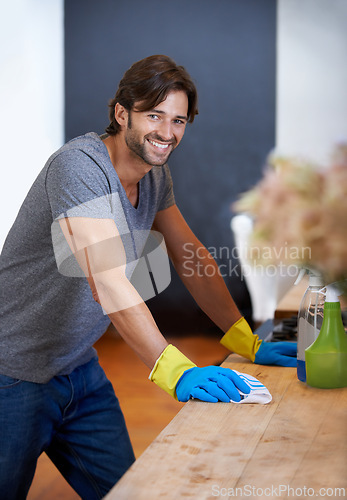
7 382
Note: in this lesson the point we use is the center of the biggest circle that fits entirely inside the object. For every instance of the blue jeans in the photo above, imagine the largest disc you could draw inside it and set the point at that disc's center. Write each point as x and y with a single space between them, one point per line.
76 419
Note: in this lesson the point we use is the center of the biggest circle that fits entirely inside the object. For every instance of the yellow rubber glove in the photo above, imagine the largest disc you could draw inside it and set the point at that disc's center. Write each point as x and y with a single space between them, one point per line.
169 368
240 339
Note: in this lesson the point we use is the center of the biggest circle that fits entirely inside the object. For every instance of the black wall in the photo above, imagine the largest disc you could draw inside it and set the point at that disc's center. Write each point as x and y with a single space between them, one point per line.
229 48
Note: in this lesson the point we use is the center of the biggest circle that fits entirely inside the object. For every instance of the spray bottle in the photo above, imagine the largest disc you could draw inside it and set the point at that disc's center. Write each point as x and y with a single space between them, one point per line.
326 358
310 317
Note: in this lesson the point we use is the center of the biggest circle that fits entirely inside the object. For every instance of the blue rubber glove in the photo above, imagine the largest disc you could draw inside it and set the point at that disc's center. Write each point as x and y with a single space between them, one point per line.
211 384
276 353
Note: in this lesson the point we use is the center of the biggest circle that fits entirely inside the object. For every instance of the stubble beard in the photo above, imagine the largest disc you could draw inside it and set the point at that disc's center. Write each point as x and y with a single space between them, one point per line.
138 146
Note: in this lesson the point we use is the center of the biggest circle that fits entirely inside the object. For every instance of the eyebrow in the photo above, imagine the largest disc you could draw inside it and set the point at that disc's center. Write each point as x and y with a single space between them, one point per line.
159 112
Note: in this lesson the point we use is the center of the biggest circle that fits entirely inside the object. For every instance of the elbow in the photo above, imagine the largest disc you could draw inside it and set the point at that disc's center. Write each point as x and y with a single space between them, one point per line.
113 291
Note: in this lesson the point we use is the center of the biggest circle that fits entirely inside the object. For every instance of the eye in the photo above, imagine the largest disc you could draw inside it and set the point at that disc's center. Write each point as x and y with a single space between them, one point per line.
179 122
153 116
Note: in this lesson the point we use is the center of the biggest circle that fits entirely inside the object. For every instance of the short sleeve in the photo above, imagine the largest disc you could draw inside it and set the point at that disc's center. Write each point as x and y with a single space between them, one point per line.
168 197
76 186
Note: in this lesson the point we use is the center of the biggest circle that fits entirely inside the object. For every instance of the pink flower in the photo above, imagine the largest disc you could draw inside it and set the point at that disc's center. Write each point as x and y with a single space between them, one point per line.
300 205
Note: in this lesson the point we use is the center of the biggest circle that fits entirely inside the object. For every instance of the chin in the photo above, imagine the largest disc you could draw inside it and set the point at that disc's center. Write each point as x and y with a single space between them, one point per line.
160 164
154 162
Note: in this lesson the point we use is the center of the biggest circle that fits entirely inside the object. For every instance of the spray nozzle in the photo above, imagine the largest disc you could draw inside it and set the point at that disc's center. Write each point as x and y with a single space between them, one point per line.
332 293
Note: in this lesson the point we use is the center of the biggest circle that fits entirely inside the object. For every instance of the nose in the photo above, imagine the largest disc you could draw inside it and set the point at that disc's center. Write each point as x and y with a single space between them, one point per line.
165 131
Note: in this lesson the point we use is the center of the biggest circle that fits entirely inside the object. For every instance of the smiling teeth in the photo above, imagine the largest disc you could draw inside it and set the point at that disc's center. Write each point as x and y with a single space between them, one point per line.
161 146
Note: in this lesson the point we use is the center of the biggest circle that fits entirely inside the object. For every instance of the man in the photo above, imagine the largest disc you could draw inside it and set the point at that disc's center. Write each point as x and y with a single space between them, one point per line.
95 203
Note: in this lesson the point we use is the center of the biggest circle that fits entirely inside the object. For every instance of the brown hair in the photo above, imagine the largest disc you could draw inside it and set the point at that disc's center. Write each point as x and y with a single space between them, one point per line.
148 82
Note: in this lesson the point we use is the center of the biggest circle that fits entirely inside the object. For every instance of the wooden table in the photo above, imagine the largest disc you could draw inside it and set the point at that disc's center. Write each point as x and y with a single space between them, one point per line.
289 448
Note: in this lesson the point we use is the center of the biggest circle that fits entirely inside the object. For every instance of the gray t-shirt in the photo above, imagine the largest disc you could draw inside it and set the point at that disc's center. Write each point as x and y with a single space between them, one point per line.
49 320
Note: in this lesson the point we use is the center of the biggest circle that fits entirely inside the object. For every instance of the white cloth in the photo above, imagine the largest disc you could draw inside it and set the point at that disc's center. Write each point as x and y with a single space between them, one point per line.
259 393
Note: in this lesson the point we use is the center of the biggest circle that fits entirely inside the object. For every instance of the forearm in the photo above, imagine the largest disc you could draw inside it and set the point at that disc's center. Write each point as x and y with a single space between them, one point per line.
197 268
201 276
139 330
129 314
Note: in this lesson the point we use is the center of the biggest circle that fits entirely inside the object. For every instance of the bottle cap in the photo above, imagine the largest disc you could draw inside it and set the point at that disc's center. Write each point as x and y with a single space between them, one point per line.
315 280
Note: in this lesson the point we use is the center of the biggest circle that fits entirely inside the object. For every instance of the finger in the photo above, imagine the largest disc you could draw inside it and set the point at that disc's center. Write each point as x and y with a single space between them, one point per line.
288 361
287 348
229 388
198 393
236 380
214 390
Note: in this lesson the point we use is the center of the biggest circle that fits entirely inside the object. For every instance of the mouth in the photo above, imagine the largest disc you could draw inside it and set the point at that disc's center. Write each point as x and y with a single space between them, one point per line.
162 147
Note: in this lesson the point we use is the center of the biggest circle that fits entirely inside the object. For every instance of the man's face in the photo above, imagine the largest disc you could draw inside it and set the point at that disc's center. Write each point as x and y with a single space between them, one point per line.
153 135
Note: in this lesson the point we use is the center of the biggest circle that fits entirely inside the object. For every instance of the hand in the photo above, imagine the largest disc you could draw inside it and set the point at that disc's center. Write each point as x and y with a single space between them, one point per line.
276 353
240 339
211 384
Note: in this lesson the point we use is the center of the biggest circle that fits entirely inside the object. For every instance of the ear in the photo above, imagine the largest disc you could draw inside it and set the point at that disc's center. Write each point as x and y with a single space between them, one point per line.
121 115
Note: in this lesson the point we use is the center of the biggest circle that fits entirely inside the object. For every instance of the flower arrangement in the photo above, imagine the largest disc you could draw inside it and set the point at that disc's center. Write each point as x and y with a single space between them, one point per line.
303 206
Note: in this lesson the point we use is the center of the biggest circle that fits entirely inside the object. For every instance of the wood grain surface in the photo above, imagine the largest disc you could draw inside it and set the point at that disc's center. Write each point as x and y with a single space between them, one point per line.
297 441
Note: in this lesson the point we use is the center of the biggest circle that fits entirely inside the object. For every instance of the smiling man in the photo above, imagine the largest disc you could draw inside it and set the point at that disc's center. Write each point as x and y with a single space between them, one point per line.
166 124
67 270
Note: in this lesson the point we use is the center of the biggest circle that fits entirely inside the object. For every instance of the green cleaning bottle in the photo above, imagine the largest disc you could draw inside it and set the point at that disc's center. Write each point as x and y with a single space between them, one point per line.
326 358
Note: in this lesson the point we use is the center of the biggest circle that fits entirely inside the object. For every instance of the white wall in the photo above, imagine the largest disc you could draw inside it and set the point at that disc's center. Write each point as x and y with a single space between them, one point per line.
31 96
311 76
